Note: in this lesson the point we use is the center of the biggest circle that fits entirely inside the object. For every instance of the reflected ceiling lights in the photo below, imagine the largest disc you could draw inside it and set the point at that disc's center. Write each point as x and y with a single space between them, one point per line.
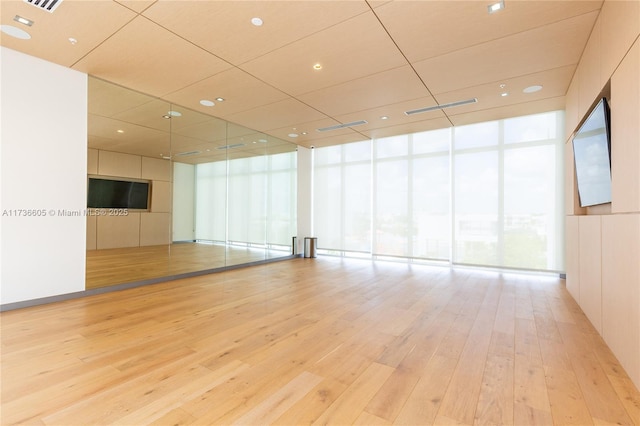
72 40
256 22
175 114
293 135
317 67
15 32
220 99
207 103
532 89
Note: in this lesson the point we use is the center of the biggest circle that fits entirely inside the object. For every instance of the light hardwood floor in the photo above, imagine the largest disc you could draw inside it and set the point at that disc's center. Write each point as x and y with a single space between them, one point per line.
316 341
131 264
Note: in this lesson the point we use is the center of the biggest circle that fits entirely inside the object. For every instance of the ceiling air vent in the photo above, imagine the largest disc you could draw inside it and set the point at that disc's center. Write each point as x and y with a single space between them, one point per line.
441 106
48 5
187 153
342 126
235 145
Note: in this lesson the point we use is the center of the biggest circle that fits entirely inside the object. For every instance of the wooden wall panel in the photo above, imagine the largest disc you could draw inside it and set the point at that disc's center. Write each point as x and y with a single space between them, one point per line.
92 161
625 134
590 80
155 229
620 27
119 165
118 231
92 232
572 105
156 169
571 197
621 289
591 269
160 197
572 255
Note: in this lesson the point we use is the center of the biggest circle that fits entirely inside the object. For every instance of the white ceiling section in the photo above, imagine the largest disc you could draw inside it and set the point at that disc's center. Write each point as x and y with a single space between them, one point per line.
378 58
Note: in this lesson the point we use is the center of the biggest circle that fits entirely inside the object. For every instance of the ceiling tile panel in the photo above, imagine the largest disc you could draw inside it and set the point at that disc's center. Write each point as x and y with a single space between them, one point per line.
89 22
150 59
534 107
356 48
424 29
407 128
387 87
239 90
288 112
137 5
224 27
395 114
553 46
554 84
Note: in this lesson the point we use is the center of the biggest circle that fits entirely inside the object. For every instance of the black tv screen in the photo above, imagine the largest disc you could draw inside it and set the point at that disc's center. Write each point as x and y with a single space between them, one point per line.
592 156
117 194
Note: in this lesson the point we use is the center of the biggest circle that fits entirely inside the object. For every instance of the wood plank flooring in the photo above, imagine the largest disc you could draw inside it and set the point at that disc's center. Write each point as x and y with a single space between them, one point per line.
132 264
316 341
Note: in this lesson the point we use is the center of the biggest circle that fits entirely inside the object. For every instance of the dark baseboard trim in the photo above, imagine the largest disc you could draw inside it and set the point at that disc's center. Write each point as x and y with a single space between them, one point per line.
127 286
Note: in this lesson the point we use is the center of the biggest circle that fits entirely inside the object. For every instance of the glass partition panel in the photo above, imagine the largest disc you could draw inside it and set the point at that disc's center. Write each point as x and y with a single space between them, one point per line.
220 194
128 144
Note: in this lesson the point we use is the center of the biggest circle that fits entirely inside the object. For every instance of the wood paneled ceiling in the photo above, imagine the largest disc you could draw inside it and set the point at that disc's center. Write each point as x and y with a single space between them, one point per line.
379 58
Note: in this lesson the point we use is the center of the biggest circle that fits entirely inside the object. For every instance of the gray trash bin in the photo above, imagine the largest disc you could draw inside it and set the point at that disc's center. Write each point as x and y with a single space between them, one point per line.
310 246
294 245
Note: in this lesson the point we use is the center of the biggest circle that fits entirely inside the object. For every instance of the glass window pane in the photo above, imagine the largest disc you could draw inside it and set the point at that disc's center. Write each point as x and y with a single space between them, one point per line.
529 208
476 208
432 141
476 135
393 225
530 128
392 147
430 198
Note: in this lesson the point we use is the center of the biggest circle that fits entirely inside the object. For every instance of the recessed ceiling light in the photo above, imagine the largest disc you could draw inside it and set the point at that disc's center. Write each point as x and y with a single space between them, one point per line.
175 114
304 133
15 32
503 94
72 40
496 6
293 135
384 117
317 67
257 21
262 140
120 131
166 116
24 21
502 86
532 89
220 99
207 103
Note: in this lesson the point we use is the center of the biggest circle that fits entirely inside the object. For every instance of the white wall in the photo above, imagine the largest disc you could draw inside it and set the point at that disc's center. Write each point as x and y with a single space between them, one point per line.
43 167
184 181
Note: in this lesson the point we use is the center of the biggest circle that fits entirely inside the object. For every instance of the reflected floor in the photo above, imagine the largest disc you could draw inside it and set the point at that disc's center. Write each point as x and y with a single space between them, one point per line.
132 264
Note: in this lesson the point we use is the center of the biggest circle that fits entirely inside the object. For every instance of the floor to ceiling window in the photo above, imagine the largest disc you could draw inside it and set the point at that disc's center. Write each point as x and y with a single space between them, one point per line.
486 194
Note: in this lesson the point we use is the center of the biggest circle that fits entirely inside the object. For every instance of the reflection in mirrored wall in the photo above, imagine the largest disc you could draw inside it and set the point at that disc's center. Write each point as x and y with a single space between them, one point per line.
219 194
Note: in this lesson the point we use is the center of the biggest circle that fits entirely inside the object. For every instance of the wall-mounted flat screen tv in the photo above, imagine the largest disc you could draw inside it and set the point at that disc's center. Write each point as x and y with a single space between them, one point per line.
592 156
112 193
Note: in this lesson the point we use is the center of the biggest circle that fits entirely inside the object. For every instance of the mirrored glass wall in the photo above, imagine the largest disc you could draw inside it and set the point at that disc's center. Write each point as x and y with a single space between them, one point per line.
218 194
